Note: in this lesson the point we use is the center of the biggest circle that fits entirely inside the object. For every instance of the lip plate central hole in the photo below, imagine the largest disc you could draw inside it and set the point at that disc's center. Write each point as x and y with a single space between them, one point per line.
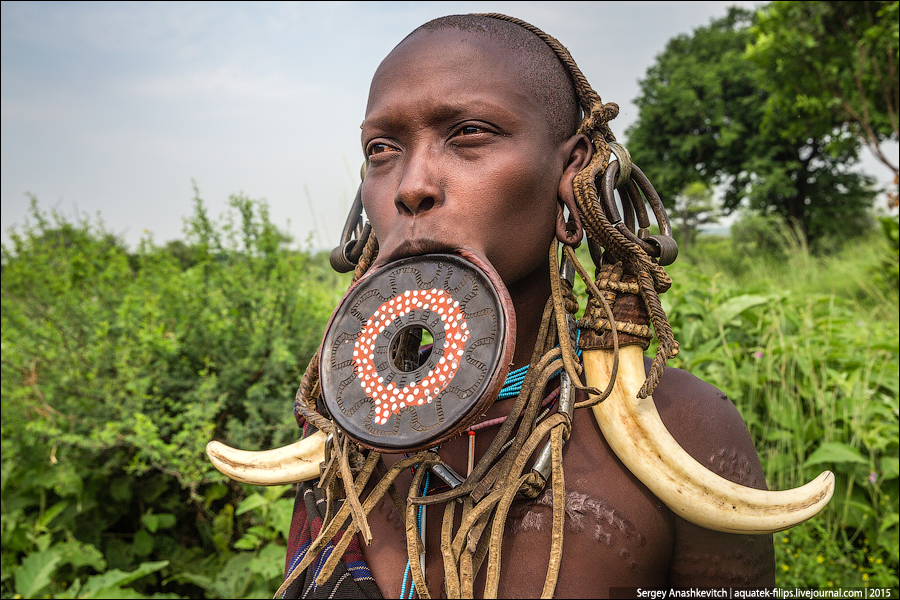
406 350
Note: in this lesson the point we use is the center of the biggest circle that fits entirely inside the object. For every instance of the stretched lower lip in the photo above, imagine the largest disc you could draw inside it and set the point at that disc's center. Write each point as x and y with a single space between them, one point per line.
419 247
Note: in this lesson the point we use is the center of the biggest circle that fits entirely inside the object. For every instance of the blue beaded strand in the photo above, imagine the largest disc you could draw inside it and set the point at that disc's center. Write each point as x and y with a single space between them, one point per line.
513 384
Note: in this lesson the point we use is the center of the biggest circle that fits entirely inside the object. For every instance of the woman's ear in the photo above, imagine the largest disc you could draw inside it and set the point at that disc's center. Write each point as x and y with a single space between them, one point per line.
577 151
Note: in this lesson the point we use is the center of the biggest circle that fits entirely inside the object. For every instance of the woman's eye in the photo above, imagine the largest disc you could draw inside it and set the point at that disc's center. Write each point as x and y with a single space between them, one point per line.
377 149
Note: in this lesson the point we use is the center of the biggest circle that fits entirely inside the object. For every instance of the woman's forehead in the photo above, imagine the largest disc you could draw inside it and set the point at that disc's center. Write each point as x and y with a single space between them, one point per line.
451 62
526 75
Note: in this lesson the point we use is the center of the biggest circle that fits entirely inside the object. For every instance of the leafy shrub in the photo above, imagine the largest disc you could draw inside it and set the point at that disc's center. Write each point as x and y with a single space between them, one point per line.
117 370
888 272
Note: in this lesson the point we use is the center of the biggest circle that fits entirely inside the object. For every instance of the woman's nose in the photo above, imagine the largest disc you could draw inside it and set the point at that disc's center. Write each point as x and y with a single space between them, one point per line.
420 188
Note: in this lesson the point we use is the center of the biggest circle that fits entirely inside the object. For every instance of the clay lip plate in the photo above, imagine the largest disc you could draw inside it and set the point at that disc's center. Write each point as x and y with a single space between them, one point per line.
462 302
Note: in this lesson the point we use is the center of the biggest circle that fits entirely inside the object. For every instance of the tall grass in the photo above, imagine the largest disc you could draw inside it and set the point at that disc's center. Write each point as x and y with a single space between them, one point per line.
807 348
117 369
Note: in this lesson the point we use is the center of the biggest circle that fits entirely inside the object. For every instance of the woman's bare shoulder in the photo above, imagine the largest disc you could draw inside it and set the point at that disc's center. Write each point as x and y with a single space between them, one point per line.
708 426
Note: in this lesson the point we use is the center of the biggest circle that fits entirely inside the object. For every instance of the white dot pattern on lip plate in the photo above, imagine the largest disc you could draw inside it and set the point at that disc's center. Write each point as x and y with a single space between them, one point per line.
388 398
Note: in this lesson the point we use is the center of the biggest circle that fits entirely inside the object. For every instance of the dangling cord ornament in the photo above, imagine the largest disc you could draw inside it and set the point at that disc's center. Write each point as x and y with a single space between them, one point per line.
421 523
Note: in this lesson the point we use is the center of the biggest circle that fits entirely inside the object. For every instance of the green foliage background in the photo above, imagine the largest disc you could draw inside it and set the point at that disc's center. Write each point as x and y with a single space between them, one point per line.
831 59
118 367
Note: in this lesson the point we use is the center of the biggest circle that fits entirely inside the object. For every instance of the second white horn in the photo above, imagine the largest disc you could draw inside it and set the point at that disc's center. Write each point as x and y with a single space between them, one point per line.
634 430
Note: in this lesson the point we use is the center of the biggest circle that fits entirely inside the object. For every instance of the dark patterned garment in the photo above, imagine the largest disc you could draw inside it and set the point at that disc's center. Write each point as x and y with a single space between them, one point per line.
351 578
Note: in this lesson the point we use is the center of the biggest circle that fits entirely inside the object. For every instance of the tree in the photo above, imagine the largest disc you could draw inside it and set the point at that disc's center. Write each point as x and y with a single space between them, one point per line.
694 207
826 60
701 109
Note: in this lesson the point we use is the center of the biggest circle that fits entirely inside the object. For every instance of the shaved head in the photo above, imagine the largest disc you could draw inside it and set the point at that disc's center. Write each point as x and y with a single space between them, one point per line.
542 71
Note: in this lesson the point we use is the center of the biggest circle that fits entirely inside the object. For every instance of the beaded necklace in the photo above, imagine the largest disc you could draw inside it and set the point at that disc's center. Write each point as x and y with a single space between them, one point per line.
511 388
513 384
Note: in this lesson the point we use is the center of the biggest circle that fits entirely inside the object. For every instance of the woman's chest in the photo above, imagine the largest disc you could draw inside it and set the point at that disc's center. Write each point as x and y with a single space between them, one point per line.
615 534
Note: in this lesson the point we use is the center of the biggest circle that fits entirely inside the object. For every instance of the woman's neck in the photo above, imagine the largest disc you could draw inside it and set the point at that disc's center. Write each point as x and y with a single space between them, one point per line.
529 296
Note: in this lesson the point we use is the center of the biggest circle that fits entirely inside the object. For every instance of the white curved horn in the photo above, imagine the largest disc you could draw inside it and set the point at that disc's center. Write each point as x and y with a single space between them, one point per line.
634 430
289 464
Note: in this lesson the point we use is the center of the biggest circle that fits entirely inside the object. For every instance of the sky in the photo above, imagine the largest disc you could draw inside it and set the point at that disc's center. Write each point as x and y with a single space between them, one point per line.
116 109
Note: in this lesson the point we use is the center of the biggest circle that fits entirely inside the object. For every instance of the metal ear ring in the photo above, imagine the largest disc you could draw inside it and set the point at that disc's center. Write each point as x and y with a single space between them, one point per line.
345 256
623 157
633 187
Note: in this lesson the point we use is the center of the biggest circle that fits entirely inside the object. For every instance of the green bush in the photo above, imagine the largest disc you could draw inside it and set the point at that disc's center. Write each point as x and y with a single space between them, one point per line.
117 370
888 272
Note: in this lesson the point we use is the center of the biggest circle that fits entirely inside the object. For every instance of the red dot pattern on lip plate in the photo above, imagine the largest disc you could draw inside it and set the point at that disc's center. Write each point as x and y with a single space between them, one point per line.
389 399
